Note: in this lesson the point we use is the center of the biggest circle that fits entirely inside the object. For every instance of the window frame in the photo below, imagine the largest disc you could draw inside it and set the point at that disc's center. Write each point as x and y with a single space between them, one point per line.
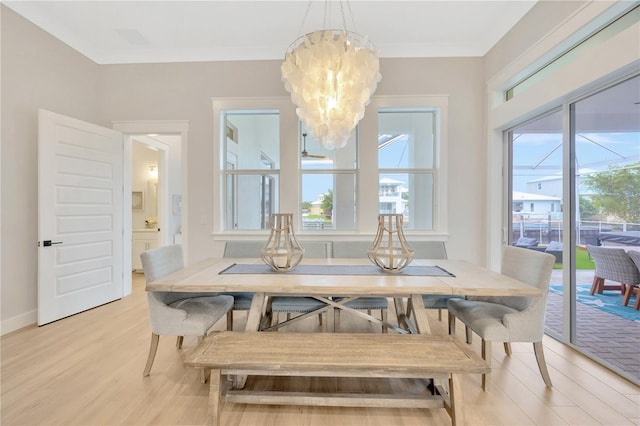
290 173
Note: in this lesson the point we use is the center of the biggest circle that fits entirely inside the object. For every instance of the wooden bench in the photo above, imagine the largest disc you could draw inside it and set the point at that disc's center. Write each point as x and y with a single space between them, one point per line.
336 355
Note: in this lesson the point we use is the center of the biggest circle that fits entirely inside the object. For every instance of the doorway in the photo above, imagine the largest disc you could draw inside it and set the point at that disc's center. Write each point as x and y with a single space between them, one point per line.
167 140
146 215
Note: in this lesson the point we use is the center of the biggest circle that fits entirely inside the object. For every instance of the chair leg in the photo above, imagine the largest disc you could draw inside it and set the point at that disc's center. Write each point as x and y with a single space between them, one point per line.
152 353
439 314
468 334
627 295
336 320
452 324
542 364
383 315
179 342
486 356
230 320
597 286
507 348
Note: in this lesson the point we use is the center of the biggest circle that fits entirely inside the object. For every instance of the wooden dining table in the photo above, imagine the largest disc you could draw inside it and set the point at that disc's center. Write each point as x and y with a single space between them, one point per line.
329 283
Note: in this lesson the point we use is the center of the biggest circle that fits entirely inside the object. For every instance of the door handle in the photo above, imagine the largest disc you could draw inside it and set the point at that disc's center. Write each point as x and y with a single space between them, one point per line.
47 243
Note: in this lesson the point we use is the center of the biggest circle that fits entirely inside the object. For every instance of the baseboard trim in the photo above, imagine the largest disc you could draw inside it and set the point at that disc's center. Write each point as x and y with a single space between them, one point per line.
16 323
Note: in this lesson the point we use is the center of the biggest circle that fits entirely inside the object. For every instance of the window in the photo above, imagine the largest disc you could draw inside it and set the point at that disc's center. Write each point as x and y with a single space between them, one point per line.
251 146
328 182
406 164
266 161
582 48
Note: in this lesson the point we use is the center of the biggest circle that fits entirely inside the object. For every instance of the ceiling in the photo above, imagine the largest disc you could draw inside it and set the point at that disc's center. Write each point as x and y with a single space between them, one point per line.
116 32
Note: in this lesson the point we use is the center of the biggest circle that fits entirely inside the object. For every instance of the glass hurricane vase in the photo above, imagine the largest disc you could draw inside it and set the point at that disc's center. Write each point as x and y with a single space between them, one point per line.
390 251
282 251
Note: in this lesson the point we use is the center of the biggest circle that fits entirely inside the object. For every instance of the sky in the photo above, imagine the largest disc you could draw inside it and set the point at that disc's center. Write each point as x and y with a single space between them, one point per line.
538 155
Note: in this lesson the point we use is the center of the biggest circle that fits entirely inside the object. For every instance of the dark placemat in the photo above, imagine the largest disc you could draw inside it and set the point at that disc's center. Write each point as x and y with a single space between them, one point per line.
255 268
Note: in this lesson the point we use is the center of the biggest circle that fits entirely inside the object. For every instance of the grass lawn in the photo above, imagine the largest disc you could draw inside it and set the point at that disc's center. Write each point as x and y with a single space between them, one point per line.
582 260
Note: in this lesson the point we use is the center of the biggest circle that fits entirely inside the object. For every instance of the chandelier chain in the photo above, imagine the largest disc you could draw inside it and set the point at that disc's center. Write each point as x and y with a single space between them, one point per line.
304 19
353 21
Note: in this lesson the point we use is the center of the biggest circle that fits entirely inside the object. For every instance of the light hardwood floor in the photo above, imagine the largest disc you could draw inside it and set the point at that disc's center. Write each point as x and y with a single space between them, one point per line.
87 370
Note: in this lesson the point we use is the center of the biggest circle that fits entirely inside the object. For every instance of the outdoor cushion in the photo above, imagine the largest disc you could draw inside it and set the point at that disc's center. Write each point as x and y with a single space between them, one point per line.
526 242
554 246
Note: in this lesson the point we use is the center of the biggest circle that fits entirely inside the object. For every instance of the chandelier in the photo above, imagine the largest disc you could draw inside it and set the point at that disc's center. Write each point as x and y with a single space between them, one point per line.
331 75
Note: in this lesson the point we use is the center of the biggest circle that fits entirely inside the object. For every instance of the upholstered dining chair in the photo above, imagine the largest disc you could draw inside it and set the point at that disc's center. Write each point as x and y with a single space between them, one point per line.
177 313
509 318
241 249
278 304
301 305
351 250
431 250
633 289
613 264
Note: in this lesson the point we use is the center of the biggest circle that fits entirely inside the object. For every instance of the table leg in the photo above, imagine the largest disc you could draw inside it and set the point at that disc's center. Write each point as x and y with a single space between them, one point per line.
255 312
398 302
420 314
253 325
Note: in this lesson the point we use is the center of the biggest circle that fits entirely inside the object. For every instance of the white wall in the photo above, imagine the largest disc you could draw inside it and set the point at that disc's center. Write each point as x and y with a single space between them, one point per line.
615 58
40 72
37 72
184 91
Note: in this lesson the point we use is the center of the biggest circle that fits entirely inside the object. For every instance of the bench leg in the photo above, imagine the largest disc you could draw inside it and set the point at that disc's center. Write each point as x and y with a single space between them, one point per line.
215 398
455 399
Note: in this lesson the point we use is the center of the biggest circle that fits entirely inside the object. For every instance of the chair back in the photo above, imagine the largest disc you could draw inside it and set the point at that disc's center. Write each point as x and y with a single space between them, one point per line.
529 266
428 249
243 249
157 263
162 261
635 258
614 264
534 268
350 249
246 249
358 249
316 249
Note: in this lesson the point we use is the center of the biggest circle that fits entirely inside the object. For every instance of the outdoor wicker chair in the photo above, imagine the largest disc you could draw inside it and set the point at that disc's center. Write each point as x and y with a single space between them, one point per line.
615 265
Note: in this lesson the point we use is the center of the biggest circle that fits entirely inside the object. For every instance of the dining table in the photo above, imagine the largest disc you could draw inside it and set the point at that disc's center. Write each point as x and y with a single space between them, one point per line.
335 281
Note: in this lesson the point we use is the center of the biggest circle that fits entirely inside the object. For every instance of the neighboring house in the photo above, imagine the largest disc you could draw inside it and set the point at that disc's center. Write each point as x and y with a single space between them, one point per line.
391 200
528 206
316 206
548 185
552 185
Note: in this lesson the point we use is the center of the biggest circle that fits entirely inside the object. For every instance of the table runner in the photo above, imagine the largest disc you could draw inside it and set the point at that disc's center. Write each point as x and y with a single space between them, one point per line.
241 268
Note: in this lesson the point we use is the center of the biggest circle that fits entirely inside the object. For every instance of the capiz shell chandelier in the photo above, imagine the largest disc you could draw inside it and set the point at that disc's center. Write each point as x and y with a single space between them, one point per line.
331 75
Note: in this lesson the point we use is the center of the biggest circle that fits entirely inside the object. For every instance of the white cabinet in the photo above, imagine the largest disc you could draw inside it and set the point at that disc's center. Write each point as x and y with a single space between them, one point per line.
142 240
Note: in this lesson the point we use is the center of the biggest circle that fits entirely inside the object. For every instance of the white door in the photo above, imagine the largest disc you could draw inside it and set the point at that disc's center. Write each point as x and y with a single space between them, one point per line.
80 216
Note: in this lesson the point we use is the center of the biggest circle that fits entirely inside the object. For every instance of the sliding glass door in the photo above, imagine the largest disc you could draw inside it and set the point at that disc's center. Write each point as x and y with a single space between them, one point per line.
575 178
